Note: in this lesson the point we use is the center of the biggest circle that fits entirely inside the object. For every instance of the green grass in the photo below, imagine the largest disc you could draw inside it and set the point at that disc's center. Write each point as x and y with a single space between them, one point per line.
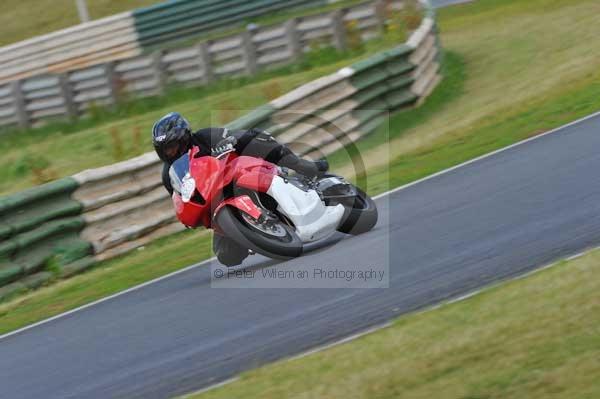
531 54
534 338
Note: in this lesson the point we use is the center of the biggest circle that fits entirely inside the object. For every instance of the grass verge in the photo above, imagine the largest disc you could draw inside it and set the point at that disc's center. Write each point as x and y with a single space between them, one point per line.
506 342
531 54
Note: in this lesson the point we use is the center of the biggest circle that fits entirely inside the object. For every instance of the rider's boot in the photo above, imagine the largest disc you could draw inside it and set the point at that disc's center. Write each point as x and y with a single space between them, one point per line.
228 252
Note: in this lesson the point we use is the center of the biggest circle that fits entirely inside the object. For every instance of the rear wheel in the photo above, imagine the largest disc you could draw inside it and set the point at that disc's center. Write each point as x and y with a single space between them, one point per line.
270 237
360 216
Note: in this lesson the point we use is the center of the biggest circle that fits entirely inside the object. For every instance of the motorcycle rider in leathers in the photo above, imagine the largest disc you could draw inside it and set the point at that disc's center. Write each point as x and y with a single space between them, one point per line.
172 137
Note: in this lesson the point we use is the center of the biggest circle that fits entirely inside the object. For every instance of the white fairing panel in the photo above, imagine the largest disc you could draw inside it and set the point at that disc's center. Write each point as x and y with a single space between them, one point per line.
313 220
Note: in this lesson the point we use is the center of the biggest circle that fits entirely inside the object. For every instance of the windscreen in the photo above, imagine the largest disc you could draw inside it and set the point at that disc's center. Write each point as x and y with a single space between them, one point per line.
178 170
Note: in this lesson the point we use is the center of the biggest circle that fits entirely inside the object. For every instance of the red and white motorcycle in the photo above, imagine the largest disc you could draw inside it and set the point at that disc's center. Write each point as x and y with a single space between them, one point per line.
262 207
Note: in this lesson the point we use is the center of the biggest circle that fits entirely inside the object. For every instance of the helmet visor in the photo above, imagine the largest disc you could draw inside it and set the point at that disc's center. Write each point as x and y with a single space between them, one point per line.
172 150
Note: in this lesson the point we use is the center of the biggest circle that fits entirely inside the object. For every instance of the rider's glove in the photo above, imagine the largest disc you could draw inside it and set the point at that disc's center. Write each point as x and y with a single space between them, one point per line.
223 146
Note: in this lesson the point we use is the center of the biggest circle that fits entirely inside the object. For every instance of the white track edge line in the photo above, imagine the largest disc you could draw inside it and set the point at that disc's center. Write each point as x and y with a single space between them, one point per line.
98 301
498 283
209 388
137 287
449 301
489 154
308 352
339 341
387 324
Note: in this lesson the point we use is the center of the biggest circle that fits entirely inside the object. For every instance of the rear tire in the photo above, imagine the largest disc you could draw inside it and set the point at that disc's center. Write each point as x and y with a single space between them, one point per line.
360 216
286 246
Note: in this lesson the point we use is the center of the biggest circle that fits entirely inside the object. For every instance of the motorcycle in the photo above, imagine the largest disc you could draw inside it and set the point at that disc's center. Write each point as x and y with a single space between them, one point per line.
263 207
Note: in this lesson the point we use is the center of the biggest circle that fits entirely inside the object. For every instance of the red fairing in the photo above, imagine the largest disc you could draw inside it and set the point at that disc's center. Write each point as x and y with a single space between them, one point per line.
253 173
190 213
243 203
211 175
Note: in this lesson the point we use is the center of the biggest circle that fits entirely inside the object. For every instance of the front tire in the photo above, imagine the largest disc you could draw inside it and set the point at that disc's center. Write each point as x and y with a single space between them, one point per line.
284 245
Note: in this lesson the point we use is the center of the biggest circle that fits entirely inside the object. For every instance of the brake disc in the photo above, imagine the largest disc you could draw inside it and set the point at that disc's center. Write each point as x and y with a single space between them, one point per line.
268 227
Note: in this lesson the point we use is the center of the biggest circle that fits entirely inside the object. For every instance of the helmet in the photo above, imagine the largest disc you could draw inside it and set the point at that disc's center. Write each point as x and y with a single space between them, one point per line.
171 136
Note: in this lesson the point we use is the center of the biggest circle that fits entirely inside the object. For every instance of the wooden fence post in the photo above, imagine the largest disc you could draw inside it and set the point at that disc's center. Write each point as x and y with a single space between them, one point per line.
293 39
159 72
339 30
380 15
112 82
66 91
20 104
205 61
249 52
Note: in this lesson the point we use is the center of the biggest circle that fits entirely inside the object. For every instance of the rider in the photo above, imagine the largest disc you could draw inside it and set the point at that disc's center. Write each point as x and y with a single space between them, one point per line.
172 137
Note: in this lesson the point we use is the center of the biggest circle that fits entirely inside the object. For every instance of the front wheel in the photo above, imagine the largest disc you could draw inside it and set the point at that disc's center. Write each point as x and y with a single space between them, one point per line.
271 238
360 215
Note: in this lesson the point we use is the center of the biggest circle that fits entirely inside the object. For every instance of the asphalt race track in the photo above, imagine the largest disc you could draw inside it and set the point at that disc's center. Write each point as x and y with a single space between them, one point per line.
497 217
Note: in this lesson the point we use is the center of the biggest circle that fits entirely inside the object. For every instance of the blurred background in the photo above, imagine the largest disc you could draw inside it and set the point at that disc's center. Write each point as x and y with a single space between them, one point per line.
75 96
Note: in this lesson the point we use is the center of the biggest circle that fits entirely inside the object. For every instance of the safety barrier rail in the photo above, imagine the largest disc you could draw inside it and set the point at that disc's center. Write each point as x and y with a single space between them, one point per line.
133 33
35 99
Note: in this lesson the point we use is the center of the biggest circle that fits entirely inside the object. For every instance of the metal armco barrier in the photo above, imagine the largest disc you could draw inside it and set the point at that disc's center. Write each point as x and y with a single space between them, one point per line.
82 45
175 20
130 33
39 236
65 227
29 102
